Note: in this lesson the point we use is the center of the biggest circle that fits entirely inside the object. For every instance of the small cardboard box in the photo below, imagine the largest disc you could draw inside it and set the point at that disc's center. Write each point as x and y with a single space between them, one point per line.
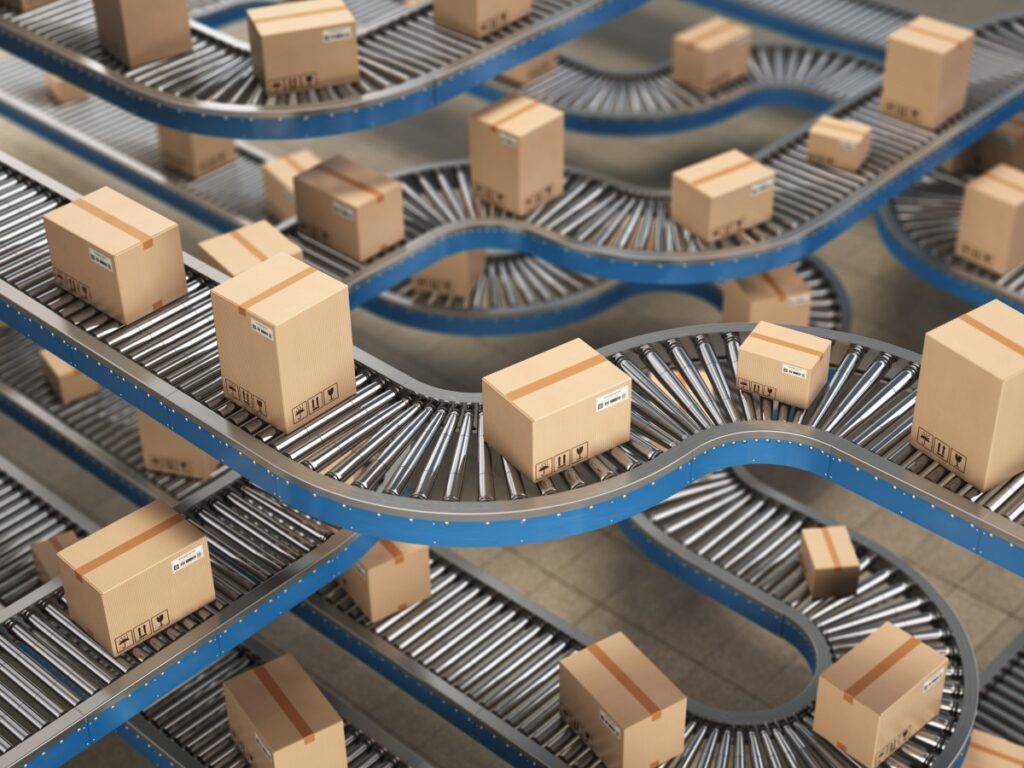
991 232
137 32
517 154
192 154
963 162
278 718
454 276
1004 145
166 451
723 195
479 18
877 696
116 254
530 70
389 578
927 67
136 577
621 705
990 751
44 554
285 341
829 560
61 91
843 143
711 54
279 181
780 296
299 46
235 251
353 209
556 409
970 395
67 382
783 364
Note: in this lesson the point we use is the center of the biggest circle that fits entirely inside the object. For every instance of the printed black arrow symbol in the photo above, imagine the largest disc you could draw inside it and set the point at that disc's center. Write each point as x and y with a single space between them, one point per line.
579 450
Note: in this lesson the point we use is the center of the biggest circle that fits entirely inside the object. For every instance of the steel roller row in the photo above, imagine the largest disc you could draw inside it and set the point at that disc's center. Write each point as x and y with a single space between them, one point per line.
1001 709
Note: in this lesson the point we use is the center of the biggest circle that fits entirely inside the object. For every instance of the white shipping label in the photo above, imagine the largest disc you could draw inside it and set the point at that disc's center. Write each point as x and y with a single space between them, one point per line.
610 724
847 144
261 745
337 33
800 298
933 679
508 138
344 211
262 329
104 261
612 398
793 370
185 560
762 186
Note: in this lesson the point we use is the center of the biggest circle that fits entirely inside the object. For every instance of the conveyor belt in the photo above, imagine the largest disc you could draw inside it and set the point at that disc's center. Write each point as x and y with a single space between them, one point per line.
218 13
1001 708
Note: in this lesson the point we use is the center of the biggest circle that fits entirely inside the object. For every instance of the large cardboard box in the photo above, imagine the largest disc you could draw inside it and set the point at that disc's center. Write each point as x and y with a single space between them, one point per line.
353 209
517 154
622 706
280 719
455 276
192 154
779 296
530 70
556 409
878 695
285 341
116 254
61 91
137 32
1004 145
235 251
970 395
166 451
66 381
389 578
843 143
991 232
136 577
783 364
279 181
927 67
723 195
479 18
711 54
829 560
987 750
44 554
299 46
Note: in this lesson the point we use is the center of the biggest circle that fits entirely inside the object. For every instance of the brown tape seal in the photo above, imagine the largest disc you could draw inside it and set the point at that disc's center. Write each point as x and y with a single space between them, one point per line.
109 218
713 29
393 550
247 244
554 378
1004 181
996 753
992 333
626 681
783 343
295 164
514 114
286 16
879 669
245 306
344 178
282 701
933 33
831 546
127 546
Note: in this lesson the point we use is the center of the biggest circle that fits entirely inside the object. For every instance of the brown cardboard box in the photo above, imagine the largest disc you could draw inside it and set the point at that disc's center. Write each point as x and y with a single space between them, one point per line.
783 364
24 5
389 578
927 66
136 577
299 46
723 195
1004 145
140 31
279 181
167 452
990 751
479 18
829 560
780 296
991 232
61 91
235 251
517 154
878 695
116 254
67 382
844 143
530 70
556 409
285 341
454 276
622 706
192 154
280 719
353 209
970 395
963 162
44 553
711 54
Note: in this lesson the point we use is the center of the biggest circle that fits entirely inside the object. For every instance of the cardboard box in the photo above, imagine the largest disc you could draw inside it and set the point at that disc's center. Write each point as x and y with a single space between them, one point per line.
454 276
711 54
780 296
829 560
353 209
1004 145
843 144
24 5
116 254
44 554
61 91
137 32
783 364
987 750
556 409
723 195
235 251
389 578
479 18
970 395
285 341
991 232
299 46
963 162
530 70
278 717
621 705
136 577
877 696
68 383
192 154
279 181
927 66
517 154
166 451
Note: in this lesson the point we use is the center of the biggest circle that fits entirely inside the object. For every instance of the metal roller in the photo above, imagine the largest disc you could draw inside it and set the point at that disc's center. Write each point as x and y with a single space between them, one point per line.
1001 709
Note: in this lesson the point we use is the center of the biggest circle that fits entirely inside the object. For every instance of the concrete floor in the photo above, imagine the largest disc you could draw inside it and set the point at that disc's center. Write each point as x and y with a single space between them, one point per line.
598 581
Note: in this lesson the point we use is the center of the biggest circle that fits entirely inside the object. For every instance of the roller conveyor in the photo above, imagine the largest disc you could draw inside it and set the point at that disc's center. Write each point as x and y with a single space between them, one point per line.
216 13
1001 708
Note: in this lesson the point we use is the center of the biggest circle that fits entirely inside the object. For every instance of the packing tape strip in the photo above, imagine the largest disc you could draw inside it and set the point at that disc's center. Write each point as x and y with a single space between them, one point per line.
992 333
784 343
625 681
391 548
245 306
554 378
282 701
344 178
130 544
246 243
831 546
112 220
873 674
997 753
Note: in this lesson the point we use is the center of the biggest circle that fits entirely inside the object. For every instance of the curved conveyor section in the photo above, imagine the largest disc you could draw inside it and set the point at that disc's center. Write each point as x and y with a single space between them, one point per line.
1001 708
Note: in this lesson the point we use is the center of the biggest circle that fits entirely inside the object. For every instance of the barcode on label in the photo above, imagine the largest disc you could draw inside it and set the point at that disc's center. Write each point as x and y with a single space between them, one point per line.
99 259
344 211
262 329
933 679
508 138
762 186
185 560
337 33
793 370
612 398
610 724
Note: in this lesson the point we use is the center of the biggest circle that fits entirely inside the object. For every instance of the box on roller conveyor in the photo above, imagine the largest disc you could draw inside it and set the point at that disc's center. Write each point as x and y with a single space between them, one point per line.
67 382
844 144
987 750
530 70
455 276
991 232
61 91
829 561
779 296
479 18
1004 145
279 181
782 364
235 251
389 578
44 554
168 452
138 32
711 54
192 154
